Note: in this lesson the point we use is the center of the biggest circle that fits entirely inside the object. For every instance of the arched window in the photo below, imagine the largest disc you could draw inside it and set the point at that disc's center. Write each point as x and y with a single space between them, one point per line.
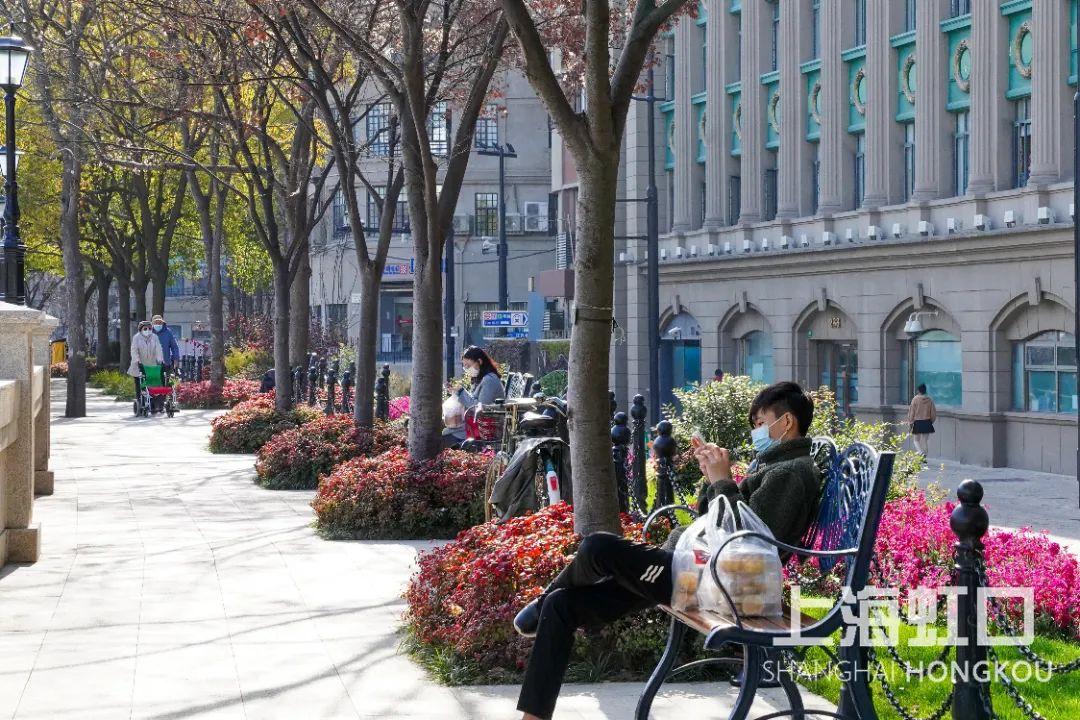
939 365
1044 373
756 356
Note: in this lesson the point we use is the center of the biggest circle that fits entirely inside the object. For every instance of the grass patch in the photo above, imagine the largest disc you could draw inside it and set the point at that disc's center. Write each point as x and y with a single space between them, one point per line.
1058 699
113 382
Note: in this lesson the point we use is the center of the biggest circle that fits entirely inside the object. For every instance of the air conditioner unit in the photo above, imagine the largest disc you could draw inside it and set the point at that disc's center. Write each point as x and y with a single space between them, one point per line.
926 228
727 247
953 226
850 235
764 244
786 241
746 247
710 249
463 224
1072 210
1011 218
663 254
897 230
982 222
874 233
693 251
678 253
804 240
534 217
1045 216
828 238
513 224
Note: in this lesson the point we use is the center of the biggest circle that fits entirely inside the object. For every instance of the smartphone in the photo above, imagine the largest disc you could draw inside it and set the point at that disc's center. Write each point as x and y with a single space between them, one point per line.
696 439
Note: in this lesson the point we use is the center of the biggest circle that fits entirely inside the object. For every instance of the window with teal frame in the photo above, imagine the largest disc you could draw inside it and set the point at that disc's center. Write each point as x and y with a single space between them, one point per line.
1021 49
1044 374
939 365
668 114
960 60
756 356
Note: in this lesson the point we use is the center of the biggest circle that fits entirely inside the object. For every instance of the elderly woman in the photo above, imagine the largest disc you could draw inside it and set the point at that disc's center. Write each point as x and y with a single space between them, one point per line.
145 350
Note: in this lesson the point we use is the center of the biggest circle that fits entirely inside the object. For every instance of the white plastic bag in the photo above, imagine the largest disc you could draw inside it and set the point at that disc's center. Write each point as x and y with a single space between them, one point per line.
453 412
720 523
689 560
749 570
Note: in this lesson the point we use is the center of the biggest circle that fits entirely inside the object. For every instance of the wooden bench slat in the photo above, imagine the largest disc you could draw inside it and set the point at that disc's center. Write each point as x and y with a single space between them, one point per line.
705 621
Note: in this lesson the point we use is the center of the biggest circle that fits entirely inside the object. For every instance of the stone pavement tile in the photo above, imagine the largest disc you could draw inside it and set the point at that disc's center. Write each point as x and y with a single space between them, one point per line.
365 670
19 651
181 680
290 680
74 681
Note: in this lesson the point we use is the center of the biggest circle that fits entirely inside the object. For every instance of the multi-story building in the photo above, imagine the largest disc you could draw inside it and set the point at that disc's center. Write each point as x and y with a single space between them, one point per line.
870 196
517 118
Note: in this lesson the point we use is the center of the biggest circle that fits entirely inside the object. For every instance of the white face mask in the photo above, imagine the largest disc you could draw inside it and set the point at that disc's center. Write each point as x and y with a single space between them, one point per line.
145 332
473 372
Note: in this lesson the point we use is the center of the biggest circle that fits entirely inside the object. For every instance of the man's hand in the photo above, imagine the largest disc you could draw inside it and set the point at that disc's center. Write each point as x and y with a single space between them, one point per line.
714 461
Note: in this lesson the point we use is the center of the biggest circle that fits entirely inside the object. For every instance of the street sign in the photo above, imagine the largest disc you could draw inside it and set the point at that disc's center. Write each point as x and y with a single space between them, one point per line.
504 318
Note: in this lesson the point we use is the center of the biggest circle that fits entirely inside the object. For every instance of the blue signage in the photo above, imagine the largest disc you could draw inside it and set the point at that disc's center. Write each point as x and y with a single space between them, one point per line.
504 318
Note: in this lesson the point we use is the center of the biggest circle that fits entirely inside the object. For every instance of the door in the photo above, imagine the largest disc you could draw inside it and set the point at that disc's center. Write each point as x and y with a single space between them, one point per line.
680 367
838 367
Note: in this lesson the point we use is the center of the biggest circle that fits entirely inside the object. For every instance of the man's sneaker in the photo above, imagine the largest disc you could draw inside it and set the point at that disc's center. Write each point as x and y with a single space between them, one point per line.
528 620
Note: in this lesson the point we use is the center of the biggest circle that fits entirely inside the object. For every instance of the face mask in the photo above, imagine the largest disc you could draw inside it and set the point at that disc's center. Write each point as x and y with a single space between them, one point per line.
761 439
145 332
473 372
157 328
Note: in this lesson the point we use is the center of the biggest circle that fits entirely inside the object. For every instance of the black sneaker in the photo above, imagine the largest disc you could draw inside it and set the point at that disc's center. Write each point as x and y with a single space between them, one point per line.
528 620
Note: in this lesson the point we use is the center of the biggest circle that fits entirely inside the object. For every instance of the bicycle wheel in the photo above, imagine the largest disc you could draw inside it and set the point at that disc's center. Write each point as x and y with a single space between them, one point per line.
495 469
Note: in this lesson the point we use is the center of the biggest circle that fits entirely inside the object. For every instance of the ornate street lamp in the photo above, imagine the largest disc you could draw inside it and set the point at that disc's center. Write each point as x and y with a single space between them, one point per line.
14 55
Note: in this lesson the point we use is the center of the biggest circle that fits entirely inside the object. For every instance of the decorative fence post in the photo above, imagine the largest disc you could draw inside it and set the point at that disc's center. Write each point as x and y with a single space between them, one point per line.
331 383
312 378
346 388
382 394
665 447
620 440
298 384
969 521
614 402
323 364
640 487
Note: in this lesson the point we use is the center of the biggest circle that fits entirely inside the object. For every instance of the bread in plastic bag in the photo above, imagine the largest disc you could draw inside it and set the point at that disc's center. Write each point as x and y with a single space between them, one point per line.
687 564
719 525
453 412
749 569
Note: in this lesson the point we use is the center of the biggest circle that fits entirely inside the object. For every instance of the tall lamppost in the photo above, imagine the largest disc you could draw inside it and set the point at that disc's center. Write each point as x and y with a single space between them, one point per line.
14 55
502 152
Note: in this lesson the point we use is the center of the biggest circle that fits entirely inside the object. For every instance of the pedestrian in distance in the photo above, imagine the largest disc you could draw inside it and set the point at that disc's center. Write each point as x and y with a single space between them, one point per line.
145 351
922 414
170 351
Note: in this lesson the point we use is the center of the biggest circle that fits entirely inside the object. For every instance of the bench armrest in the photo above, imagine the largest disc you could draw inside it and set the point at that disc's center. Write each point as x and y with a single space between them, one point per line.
660 511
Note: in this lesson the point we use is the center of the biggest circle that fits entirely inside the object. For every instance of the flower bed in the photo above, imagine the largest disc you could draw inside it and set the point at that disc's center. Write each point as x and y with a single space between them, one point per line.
295 459
399 407
203 395
463 597
389 496
249 425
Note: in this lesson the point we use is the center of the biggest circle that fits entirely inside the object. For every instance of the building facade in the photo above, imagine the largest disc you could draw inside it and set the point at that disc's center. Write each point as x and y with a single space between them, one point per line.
517 118
869 196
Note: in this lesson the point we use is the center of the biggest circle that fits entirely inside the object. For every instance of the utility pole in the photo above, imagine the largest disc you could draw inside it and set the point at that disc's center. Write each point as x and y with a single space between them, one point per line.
653 243
502 152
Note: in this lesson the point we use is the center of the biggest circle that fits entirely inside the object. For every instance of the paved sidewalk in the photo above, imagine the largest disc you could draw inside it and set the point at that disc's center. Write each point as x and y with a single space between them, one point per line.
1017 498
172 587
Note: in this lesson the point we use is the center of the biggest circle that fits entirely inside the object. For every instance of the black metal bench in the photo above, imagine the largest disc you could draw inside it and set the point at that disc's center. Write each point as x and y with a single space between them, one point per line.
852 499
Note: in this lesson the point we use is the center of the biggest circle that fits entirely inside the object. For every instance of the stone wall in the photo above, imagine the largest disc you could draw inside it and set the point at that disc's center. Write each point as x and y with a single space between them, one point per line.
24 428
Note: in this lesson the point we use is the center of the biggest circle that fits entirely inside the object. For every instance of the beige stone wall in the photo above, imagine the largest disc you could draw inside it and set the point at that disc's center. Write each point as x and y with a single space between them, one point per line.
24 427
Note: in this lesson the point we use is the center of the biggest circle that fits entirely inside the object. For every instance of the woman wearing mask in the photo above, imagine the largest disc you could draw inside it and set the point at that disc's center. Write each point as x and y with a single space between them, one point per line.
145 350
483 373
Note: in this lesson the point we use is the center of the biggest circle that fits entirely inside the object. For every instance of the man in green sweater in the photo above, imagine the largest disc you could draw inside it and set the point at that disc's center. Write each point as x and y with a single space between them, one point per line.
611 577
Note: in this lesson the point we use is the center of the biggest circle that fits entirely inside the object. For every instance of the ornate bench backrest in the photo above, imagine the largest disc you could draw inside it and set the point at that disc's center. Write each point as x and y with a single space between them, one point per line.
851 505
825 455
515 385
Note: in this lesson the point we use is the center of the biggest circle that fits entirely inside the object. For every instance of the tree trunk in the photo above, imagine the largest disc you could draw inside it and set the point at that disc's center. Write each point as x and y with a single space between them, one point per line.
217 319
596 502
425 411
123 290
366 347
139 285
75 309
103 281
160 280
300 308
282 374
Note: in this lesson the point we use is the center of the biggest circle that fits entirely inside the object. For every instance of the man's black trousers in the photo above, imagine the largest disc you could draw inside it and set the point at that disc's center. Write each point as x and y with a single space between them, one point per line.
609 578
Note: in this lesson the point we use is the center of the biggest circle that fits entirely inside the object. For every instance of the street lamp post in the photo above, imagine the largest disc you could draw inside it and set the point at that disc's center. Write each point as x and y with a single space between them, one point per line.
652 230
1076 249
14 54
502 152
